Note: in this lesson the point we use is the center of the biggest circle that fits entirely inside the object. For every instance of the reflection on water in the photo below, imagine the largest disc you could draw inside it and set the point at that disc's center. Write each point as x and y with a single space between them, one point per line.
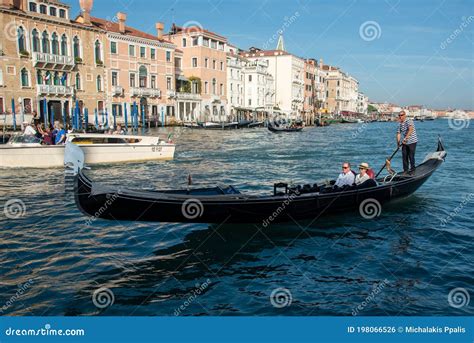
329 267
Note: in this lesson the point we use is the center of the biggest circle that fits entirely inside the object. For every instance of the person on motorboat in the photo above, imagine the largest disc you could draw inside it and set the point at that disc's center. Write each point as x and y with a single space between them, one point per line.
347 177
48 137
60 136
29 130
363 176
119 130
406 135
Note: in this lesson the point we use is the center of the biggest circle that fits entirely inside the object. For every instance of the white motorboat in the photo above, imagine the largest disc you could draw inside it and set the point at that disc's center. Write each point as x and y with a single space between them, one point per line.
28 152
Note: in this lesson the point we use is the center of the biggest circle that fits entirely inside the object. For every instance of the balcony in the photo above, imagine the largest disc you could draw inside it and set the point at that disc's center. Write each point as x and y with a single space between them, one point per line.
298 81
54 90
50 61
146 92
170 94
117 90
188 96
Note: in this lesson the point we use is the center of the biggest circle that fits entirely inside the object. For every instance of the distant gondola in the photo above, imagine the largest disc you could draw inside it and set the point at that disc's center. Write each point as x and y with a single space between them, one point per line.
219 205
277 129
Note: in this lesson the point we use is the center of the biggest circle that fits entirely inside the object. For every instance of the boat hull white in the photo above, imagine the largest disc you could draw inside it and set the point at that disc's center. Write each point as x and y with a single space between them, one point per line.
53 156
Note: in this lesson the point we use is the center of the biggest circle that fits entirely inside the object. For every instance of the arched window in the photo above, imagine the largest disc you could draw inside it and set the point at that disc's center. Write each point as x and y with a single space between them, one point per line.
35 40
214 84
64 45
78 81
39 77
76 47
21 39
143 75
56 80
25 80
54 44
45 42
98 53
99 83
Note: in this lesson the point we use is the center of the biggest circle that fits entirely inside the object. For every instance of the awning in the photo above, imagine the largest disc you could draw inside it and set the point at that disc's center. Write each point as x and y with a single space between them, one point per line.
182 78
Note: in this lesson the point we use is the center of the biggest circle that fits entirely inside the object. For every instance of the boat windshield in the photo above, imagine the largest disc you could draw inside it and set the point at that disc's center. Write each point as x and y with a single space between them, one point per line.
104 140
24 139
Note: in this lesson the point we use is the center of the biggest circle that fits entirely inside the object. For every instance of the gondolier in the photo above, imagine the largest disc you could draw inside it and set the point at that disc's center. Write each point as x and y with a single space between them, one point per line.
406 136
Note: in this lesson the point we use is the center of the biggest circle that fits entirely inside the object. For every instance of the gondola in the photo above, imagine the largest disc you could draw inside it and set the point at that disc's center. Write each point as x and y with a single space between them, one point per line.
278 129
228 205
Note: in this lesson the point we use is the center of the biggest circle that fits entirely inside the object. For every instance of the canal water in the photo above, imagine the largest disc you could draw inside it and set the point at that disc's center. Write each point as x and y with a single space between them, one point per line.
415 259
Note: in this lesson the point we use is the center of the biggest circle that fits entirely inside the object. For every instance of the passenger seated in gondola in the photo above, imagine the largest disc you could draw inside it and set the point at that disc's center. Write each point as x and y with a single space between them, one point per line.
363 175
347 177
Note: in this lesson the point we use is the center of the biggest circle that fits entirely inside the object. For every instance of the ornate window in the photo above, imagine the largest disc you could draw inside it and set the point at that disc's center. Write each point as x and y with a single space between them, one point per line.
78 81
45 42
21 39
57 79
77 47
39 77
25 78
143 76
54 44
99 83
64 45
35 41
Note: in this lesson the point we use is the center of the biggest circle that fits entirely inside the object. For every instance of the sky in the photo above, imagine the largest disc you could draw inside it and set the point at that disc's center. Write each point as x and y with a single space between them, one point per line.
405 52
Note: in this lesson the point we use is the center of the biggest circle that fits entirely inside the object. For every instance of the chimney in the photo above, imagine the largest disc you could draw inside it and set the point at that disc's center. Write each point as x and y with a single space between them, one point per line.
159 29
122 18
86 8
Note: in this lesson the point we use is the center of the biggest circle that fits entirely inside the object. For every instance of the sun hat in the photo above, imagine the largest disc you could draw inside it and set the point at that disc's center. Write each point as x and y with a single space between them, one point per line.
364 165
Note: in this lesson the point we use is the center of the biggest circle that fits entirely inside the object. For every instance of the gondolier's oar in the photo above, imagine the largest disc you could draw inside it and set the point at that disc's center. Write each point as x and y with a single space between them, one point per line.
390 159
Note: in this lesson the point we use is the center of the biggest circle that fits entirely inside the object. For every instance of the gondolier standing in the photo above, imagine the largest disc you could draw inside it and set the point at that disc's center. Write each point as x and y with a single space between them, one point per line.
406 135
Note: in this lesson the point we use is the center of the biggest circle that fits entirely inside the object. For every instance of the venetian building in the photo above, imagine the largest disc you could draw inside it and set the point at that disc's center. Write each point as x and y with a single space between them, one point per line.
48 60
203 82
140 70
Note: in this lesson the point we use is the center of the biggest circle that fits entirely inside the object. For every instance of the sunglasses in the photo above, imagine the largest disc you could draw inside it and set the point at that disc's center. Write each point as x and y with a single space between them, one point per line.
345 167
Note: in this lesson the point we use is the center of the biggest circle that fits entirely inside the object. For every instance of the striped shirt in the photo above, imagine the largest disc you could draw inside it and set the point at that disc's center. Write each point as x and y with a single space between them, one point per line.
403 130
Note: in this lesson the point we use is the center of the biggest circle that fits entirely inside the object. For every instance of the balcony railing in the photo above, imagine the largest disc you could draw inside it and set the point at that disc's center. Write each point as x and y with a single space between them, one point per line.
188 96
56 90
117 90
150 92
56 61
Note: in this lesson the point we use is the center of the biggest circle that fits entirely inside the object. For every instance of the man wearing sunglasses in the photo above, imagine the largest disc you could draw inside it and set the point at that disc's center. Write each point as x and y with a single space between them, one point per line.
347 177
406 135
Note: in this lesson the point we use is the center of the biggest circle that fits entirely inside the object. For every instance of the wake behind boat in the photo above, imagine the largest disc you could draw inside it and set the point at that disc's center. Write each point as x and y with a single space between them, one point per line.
219 205
23 151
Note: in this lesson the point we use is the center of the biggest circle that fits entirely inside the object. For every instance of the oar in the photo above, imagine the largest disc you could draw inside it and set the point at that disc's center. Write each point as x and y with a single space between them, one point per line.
390 159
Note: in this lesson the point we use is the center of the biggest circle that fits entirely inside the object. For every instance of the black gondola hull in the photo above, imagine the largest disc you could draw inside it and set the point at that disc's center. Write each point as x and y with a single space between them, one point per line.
202 206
